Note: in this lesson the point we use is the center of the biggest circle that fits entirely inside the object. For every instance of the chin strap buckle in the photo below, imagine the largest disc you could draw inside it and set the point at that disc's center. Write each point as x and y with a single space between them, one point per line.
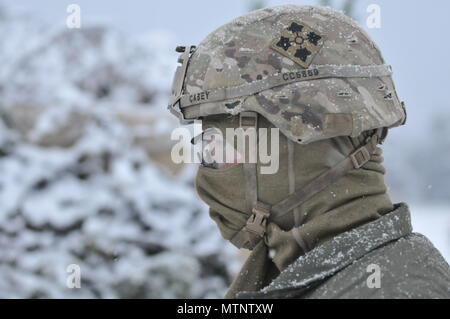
360 157
257 222
255 228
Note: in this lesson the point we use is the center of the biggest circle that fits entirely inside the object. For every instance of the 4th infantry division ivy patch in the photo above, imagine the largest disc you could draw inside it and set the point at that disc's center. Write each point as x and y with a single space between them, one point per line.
299 43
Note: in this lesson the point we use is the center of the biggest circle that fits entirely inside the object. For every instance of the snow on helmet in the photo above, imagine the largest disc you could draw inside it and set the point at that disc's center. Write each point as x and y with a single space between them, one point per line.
311 71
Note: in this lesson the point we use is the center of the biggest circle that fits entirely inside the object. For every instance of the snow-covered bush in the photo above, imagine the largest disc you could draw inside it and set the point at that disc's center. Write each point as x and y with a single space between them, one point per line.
82 115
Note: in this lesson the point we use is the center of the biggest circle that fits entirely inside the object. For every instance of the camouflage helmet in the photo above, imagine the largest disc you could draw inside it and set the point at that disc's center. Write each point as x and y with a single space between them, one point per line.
311 71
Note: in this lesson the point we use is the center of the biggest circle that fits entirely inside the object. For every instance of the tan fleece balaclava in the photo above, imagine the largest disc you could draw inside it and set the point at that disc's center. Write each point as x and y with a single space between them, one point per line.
357 198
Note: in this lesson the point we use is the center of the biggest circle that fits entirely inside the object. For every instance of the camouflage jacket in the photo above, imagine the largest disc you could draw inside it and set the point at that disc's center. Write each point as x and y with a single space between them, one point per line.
382 259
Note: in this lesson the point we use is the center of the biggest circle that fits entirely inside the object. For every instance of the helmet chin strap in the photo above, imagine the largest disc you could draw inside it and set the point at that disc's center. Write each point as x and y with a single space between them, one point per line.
291 179
254 230
354 160
249 120
251 234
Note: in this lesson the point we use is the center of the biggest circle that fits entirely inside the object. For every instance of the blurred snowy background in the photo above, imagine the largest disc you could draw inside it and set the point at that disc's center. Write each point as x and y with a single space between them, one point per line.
85 173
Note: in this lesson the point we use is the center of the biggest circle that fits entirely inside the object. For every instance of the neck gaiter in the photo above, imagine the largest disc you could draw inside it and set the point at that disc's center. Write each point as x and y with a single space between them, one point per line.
357 198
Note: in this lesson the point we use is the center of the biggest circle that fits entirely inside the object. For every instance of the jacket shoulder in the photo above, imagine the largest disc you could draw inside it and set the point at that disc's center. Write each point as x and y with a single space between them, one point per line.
410 267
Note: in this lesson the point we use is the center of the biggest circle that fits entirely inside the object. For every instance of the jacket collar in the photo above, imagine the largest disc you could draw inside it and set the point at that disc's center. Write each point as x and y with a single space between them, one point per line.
337 253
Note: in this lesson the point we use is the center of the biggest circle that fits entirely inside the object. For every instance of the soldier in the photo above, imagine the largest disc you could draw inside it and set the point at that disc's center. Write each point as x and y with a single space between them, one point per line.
322 225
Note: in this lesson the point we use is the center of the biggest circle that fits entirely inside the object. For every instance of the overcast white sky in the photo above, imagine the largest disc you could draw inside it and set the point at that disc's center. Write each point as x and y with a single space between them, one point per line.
413 36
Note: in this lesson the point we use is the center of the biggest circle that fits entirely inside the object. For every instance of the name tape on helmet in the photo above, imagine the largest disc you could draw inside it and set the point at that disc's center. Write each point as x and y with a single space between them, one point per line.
315 72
